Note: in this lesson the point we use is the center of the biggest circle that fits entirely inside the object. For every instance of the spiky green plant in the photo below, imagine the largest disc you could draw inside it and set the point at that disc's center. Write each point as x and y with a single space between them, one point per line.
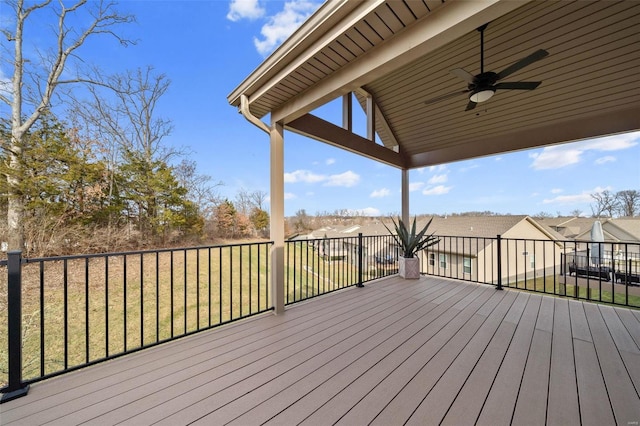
410 241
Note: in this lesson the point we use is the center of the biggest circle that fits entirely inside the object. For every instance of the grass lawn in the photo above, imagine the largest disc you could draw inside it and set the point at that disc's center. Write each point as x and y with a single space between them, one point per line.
594 292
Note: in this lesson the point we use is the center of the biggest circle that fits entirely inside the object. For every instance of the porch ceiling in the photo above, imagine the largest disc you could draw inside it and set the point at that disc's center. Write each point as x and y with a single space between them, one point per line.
401 53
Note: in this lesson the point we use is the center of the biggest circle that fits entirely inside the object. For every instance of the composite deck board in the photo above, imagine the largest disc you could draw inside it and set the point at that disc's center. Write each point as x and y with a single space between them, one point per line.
466 408
430 351
501 399
436 403
384 393
562 402
337 397
622 393
531 405
333 374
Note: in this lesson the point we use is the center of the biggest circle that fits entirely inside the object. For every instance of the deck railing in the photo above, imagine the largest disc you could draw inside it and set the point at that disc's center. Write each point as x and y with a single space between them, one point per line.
62 313
601 272
323 265
59 314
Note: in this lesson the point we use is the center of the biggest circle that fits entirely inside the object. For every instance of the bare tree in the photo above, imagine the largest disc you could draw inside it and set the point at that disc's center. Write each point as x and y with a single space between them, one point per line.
258 198
201 189
628 202
543 215
243 202
34 81
604 202
576 212
246 201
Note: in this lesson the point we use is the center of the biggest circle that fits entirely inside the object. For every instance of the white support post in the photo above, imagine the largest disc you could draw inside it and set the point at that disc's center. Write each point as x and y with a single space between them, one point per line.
405 196
347 111
277 216
371 118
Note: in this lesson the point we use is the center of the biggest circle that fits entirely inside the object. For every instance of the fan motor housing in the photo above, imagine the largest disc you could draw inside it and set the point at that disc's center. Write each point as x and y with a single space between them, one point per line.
484 80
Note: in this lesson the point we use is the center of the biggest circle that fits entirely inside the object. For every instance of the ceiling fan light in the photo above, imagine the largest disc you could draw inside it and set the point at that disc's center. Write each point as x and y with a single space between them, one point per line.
481 95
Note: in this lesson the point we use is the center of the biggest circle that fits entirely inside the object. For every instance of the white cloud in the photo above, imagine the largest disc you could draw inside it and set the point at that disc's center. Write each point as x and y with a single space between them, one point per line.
605 159
289 195
555 157
303 176
556 190
347 179
440 168
245 9
438 179
436 190
415 186
471 167
283 24
613 143
330 161
380 193
583 197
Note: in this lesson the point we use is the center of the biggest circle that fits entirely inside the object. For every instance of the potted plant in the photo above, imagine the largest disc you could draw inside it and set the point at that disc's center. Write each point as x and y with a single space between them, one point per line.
410 243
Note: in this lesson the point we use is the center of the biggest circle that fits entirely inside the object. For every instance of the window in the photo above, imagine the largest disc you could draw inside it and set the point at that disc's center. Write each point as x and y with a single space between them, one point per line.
466 265
443 261
432 259
532 261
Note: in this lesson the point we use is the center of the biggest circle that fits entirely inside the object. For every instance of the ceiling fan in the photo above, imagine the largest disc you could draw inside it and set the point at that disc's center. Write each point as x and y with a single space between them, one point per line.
483 86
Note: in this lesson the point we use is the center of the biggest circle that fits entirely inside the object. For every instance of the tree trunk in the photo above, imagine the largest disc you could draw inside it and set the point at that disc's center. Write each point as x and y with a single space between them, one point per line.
15 205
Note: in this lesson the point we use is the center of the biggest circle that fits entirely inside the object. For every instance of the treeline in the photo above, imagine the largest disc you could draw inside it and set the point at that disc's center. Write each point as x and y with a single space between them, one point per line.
81 195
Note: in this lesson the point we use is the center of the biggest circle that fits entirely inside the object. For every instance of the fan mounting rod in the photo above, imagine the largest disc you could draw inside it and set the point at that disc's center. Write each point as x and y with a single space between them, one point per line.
481 30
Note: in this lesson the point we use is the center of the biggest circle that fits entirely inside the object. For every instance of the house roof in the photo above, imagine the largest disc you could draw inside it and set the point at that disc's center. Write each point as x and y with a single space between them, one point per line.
395 55
474 226
477 227
579 228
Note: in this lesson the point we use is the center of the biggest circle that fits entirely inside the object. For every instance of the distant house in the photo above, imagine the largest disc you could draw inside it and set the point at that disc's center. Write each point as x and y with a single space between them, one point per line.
621 235
468 248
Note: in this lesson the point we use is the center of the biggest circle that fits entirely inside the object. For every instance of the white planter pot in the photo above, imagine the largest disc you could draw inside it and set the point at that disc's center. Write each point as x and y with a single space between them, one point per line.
409 267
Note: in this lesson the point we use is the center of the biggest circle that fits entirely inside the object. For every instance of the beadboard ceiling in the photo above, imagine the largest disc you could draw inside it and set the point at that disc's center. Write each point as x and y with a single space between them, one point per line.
401 53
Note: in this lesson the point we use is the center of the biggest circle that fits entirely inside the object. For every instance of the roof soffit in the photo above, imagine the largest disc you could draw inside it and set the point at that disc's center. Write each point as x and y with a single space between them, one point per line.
445 24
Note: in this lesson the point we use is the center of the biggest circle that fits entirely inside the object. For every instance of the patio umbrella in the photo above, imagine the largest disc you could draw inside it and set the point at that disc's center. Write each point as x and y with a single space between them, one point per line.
597 238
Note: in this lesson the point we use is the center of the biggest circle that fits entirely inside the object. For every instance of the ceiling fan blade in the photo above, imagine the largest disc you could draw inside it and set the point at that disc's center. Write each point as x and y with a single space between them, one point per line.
518 85
446 96
465 75
471 105
517 66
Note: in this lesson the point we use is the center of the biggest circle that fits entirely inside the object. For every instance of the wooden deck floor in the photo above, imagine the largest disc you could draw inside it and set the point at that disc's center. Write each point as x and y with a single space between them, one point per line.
433 351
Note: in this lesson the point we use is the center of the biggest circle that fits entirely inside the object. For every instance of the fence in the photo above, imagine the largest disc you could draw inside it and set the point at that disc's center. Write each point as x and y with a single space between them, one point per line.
602 272
63 313
74 311
319 266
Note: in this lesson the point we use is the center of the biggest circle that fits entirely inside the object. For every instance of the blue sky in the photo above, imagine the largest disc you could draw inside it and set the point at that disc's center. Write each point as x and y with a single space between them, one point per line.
207 47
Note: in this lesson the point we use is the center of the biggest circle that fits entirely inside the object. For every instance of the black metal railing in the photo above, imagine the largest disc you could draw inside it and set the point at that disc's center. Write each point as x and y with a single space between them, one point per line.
320 266
68 312
601 272
62 313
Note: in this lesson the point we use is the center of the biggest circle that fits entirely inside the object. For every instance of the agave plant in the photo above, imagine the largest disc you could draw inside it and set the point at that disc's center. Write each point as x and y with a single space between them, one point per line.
411 242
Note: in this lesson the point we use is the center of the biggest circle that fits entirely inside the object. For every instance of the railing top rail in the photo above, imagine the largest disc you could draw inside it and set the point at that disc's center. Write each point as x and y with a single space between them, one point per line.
3 262
346 237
